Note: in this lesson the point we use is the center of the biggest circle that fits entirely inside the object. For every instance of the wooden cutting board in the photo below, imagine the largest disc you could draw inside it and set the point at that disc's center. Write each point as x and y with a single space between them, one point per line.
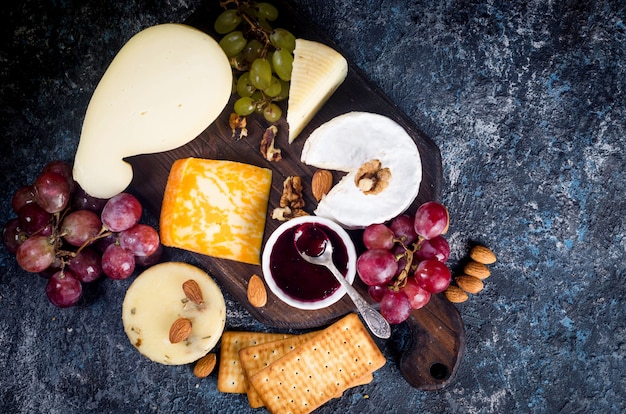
437 330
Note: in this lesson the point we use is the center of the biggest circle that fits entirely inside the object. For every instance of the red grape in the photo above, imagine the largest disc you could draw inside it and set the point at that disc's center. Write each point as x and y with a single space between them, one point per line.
435 248
395 307
431 220
418 297
62 168
24 195
403 227
377 292
35 254
378 236
33 219
154 258
64 289
432 275
121 212
83 201
52 192
117 262
86 265
80 226
13 235
140 240
376 267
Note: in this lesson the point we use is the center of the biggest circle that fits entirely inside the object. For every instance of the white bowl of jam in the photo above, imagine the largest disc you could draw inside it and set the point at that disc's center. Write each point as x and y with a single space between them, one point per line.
299 283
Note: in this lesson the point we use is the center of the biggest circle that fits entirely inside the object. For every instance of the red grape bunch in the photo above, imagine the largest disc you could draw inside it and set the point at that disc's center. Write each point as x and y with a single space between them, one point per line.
71 238
405 260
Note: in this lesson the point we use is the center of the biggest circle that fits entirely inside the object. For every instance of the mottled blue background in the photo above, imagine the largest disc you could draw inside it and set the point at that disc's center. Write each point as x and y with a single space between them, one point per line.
525 99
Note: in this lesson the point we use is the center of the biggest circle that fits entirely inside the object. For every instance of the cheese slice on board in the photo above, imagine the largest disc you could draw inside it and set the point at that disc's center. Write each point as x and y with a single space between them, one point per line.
163 88
217 208
317 72
156 299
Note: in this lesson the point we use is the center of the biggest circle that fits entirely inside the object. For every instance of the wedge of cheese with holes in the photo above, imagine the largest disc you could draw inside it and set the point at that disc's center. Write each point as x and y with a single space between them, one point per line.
217 208
317 72
156 299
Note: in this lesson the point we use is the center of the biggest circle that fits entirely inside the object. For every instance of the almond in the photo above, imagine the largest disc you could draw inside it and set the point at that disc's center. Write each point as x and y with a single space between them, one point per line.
180 330
470 284
473 268
482 254
193 292
321 183
455 294
257 295
205 365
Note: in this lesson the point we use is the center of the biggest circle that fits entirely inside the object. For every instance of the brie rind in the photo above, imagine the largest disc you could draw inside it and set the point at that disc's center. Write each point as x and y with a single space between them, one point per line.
347 142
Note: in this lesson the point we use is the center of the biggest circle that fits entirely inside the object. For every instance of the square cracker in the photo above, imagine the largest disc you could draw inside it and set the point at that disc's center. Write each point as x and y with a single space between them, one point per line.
320 369
255 358
230 376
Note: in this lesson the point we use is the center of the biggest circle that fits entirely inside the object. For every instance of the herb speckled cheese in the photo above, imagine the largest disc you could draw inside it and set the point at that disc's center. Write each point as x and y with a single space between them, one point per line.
217 208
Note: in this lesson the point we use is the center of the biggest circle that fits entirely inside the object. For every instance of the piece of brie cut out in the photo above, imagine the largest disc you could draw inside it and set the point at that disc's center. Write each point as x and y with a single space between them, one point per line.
163 88
348 141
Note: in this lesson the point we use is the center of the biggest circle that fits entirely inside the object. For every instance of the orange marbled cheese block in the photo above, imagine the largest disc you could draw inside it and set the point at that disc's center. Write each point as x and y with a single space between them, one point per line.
217 208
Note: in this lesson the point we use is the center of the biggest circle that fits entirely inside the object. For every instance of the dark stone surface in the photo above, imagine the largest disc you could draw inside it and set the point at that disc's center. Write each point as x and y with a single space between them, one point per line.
526 102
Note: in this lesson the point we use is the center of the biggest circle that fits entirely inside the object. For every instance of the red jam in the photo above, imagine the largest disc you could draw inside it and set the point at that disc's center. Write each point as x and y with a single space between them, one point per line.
300 279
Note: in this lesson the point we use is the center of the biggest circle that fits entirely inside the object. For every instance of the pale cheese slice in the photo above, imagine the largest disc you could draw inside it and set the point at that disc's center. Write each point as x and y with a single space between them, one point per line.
348 141
317 72
156 299
217 208
163 88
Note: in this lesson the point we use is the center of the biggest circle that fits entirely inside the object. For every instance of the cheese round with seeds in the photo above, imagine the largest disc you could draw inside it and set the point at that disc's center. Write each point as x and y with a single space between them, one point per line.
156 299
348 142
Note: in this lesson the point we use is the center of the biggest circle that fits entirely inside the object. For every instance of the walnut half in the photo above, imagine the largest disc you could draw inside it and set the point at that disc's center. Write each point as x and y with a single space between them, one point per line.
268 150
291 201
371 178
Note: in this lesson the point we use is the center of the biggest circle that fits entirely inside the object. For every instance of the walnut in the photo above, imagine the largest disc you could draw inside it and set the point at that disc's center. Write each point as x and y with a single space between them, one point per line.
291 201
371 178
292 193
268 150
238 126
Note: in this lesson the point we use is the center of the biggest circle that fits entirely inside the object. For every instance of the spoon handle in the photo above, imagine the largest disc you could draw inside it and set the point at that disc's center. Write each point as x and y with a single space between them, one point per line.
374 320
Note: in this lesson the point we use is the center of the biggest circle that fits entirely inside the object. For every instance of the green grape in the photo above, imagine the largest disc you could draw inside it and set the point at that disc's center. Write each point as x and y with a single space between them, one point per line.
252 50
272 113
283 63
266 11
283 39
260 73
244 88
274 89
244 106
284 91
233 43
227 21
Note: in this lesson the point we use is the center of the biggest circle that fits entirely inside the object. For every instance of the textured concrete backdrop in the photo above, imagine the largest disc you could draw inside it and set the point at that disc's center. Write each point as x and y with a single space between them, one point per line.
525 99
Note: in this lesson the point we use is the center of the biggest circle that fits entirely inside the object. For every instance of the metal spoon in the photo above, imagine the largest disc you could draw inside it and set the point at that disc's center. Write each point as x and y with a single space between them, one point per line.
374 320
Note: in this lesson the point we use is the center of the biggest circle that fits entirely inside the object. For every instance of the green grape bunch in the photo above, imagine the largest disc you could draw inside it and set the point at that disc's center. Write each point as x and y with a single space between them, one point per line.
261 56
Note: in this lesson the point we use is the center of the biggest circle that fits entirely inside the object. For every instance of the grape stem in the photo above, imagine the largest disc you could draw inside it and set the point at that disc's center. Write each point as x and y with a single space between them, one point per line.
408 254
255 27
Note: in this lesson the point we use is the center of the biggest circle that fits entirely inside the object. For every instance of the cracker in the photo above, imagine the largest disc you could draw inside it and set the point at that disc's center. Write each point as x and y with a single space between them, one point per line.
255 358
230 375
320 369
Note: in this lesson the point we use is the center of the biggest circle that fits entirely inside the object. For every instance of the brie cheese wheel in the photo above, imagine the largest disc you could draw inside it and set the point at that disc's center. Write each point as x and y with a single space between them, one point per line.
317 72
163 88
156 299
347 142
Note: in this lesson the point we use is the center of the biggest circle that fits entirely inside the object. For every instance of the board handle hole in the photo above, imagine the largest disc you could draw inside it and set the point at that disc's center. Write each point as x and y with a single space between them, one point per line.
439 371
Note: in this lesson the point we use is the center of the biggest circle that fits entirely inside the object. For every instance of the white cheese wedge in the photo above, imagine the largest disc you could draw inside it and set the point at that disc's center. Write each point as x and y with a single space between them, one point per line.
317 72
156 299
348 141
163 88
